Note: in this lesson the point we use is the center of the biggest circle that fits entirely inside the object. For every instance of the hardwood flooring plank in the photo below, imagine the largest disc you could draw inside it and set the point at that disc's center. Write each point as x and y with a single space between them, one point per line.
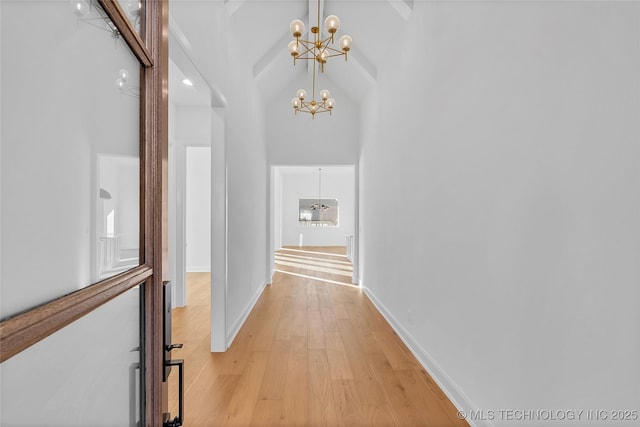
285 322
311 353
347 403
328 320
242 404
315 330
266 331
339 367
268 413
425 403
403 411
340 311
209 404
394 349
368 387
320 401
275 376
378 416
295 410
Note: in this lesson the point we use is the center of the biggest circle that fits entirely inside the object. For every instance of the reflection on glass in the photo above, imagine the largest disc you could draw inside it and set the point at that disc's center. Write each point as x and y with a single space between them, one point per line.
117 222
318 212
133 10
87 374
70 151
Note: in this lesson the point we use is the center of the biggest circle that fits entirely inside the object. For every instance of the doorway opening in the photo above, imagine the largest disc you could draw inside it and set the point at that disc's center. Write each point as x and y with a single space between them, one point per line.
198 210
304 242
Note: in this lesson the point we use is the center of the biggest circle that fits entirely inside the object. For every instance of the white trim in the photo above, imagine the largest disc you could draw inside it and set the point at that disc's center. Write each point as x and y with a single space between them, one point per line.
448 386
199 269
312 252
235 328
219 191
304 276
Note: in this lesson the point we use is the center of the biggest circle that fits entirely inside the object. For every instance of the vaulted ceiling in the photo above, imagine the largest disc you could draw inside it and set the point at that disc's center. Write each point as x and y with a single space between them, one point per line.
213 40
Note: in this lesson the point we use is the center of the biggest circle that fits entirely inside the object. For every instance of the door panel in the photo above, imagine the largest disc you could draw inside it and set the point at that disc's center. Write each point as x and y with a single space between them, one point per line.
87 374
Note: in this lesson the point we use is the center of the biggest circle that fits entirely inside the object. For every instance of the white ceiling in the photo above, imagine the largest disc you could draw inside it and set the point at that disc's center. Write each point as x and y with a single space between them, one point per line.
251 37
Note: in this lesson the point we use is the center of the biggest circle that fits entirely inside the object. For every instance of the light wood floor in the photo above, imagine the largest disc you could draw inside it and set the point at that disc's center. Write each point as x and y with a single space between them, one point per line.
311 353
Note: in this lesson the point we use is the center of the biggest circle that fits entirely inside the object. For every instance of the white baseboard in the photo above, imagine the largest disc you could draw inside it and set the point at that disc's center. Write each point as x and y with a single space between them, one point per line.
199 269
450 388
235 328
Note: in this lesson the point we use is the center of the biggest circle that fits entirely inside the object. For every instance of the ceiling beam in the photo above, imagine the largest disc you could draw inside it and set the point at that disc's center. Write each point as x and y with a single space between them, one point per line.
403 7
273 54
364 64
233 5
181 56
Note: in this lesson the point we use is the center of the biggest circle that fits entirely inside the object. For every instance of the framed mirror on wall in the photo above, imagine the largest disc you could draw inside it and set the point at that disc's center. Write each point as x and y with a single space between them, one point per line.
318 212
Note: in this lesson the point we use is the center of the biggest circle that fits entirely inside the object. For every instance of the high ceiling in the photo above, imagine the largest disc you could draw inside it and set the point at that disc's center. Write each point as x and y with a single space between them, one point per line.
215 40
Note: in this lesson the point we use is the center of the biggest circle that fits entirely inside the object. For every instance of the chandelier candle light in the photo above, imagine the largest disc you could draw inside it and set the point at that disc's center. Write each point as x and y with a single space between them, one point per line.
319 51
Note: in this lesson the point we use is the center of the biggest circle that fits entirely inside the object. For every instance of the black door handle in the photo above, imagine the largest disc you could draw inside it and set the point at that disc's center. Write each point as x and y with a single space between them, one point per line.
177 421
172 346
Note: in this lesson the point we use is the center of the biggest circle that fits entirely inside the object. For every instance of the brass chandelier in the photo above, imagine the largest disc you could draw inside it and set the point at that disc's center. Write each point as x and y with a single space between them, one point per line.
318 50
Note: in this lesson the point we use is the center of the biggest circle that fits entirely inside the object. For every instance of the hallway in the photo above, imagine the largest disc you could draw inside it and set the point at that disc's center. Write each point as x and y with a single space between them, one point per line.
311 353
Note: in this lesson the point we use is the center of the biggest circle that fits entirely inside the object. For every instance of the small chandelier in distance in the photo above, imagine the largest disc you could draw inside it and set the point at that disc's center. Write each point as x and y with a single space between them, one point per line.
313 107
319 205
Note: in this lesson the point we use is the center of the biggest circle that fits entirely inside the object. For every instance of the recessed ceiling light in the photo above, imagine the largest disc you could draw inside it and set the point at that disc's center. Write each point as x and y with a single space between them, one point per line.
187 82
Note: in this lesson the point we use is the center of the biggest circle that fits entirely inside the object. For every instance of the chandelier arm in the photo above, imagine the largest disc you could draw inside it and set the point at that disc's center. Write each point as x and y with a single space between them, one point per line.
306 49
307 43
337 52
305 107
305 57
326 41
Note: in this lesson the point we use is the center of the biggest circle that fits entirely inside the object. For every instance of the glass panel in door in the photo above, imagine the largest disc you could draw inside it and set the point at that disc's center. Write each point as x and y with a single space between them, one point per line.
70 143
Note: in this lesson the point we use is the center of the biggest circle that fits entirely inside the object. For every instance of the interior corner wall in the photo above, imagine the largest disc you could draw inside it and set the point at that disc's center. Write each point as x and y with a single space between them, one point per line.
302 183
506 248
189 126
247 205
276 200
245 160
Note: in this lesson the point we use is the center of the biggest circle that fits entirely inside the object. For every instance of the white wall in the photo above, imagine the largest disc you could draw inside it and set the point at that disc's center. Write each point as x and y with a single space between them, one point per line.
338 182
511 135
246 159
198 209
297 139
